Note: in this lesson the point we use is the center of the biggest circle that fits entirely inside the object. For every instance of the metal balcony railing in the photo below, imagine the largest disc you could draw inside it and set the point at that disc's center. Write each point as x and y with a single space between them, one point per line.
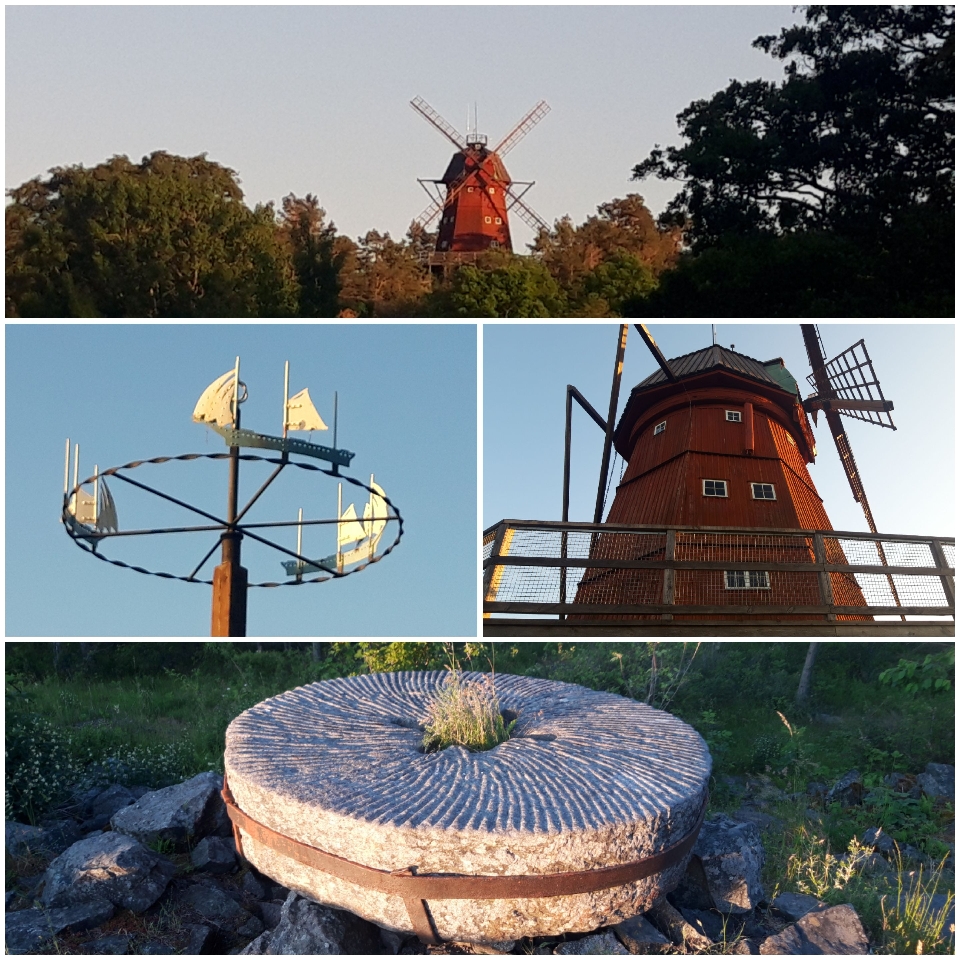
573 575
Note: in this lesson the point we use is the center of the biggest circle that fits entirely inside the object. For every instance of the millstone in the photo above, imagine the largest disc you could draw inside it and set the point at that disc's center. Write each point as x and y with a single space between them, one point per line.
587 780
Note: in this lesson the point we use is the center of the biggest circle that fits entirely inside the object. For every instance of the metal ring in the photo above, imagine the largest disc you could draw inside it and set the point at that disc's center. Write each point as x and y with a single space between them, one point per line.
81 539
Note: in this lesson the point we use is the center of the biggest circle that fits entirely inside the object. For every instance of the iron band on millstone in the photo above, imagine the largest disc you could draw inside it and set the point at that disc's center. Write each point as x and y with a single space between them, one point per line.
415 889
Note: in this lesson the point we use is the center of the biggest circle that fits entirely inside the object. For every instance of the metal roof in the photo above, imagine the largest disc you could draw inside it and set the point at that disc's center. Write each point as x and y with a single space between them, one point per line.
716 356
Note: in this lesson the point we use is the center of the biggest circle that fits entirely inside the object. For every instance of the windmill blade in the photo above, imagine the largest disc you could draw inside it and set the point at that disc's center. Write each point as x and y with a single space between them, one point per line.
448 130
522 128
853 386
529 216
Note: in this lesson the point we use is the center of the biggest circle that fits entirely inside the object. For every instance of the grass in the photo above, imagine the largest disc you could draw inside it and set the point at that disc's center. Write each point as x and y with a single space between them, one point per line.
467 715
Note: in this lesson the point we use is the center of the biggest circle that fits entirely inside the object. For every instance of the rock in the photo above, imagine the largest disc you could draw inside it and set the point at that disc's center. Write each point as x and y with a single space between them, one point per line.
214 855
158 948
213 904
879 841
307 928
95 824
848 790
707 923
117 944
639 935
251 927
793 906
198 936
494 948
742 948
732 857
110 867
391 940
109 801
256 886
899 782
269 913
938 780
190 810
836 930
763 821
668 920
815 789
28 931
693 890
872 863
49 840
596 945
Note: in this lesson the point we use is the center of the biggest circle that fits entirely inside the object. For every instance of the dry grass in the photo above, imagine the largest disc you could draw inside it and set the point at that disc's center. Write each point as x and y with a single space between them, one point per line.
465 714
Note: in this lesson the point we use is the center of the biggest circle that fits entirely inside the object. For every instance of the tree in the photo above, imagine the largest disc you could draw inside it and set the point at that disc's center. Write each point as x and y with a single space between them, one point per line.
383 277
500 284
859 132
167 237
806 676
314 254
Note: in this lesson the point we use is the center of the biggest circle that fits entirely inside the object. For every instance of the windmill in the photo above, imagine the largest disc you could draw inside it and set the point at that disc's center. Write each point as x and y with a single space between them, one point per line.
475 194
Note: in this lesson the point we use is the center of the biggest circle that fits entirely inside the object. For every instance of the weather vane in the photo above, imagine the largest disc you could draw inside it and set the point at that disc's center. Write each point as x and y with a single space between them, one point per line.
90 516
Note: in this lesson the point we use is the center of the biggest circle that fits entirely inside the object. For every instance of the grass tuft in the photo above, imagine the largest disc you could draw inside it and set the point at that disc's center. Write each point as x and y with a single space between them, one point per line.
465 714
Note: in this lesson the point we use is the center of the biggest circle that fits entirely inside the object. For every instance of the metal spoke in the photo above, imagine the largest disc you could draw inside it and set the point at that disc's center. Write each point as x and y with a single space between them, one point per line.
293 553
139 533
273 476
166 496
206 557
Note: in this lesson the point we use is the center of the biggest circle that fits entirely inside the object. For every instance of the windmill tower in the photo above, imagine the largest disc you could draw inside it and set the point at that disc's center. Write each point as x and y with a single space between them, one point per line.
475 195
716 438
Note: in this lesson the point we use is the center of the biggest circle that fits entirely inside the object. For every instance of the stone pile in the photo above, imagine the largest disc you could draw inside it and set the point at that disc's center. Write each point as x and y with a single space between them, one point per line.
99 879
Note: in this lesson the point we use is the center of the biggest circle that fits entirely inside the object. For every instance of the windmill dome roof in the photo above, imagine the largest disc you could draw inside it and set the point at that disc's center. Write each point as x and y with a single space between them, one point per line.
771 372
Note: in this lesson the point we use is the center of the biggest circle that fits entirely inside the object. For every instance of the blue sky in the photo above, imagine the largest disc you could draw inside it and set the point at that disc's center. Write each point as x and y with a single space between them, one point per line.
407 401
315 98
908 474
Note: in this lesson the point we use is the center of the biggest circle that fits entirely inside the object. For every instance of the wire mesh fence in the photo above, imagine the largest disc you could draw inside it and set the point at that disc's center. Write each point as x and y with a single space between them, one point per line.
605 571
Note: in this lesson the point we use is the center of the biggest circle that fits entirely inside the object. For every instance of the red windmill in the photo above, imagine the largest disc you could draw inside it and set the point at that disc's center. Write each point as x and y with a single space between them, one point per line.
475 194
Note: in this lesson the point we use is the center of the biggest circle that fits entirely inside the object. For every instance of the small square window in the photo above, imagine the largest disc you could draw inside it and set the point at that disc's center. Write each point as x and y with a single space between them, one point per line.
493 190
763 491
659 428
714 488
469 189
734 416
487 220
746 579
497 220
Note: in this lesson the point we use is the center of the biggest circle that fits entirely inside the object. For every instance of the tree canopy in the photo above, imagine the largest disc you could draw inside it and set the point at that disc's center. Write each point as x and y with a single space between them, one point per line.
169 236
855 145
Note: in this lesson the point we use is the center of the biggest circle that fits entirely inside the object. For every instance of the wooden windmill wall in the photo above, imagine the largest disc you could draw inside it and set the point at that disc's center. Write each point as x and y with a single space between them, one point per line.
728 424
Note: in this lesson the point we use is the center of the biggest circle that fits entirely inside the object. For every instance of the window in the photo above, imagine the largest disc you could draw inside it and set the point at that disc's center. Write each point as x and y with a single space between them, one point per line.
497 220
493 190
734 416
714 488
763 491
746 579
659 428
469 189
487 220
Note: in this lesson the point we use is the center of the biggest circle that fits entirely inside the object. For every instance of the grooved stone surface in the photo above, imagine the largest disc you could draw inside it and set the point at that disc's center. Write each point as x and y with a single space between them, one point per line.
587 780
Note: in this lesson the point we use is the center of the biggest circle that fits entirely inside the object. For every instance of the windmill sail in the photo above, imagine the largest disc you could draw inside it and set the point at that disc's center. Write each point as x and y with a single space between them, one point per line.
302 414
349 530
215 405
107 518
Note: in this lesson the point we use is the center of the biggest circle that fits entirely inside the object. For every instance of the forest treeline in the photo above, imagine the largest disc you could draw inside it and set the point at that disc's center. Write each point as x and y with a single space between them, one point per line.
829 193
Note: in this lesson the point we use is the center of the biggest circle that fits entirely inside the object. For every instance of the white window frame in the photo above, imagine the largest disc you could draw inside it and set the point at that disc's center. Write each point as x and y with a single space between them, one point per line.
498 220
487 220
659 428
753 490
734 416
752 580
720 496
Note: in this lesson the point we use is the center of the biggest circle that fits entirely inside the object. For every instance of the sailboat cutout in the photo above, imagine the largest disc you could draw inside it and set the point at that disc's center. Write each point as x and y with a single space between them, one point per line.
302 414
88 512
219 408
215 406
364 535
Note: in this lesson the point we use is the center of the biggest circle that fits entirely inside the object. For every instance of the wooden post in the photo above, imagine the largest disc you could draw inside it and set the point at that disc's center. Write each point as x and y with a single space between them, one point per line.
229 614
669 574
826 587
940 560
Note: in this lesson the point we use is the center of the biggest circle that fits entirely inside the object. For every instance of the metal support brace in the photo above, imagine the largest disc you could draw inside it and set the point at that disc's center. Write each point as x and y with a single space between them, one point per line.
669 574
936 548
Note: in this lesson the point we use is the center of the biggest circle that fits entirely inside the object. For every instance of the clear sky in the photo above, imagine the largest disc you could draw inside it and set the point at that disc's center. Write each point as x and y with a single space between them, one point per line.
407 408
908 474
315 98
